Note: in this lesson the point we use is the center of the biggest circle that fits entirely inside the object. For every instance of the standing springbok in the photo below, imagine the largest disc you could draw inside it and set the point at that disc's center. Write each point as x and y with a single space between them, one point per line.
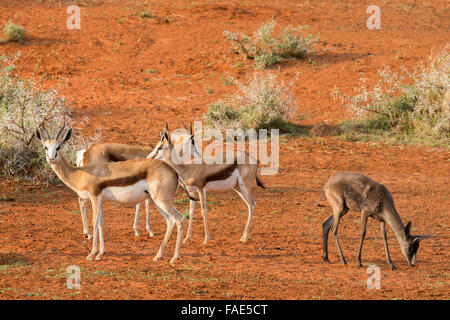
353 191
130 181
205 177
113 152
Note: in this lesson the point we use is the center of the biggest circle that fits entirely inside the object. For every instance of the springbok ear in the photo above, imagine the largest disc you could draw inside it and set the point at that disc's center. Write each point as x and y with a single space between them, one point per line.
68 135
38 134
420 238
166 135
408 228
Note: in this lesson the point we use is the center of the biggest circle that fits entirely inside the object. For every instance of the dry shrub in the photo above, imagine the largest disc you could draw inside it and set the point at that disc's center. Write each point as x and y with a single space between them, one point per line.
13 32
267 49
24 108
414 105
263 102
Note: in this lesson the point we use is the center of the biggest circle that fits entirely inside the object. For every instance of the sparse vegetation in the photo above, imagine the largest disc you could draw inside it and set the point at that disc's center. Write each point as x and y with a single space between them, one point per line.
13 32
227 81
146 14
266 49
410 106
23 108
264 102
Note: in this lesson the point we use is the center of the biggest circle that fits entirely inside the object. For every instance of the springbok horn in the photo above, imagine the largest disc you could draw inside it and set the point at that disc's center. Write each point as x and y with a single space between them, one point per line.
182 122
64 125
46 132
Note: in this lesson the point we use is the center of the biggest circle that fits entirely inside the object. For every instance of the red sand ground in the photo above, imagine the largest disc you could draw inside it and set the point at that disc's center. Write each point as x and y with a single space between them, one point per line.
102 71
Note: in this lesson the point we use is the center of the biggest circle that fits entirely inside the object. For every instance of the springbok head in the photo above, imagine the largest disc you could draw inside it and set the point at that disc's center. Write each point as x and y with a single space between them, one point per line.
183 143
52 146
410 245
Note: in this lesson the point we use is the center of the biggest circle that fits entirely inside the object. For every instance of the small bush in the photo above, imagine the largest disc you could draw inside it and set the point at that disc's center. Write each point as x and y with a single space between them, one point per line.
23 108
264 102
221 115
267 49
146 14
410 104
13 32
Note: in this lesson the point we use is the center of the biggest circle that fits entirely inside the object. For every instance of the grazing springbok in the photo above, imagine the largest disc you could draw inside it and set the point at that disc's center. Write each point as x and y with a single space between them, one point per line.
130 181
113 152
353 191
204 177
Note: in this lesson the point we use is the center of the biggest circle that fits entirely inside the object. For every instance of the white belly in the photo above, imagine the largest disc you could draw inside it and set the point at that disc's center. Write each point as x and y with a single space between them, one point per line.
223 185
133 194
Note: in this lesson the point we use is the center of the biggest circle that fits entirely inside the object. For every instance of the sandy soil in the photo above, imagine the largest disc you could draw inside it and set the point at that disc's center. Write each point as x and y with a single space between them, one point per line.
129 75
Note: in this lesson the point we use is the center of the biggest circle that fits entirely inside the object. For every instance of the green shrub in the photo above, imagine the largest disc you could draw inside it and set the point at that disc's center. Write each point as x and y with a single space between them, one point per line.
146 14
266 49
410 104
23 108
221 115
13 32
264 102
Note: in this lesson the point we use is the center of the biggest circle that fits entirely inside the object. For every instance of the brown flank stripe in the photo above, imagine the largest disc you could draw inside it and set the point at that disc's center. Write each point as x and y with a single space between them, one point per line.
222 174
120 182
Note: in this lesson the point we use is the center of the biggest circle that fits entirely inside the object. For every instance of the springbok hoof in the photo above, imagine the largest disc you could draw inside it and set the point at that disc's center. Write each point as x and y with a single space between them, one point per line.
243 239
174 259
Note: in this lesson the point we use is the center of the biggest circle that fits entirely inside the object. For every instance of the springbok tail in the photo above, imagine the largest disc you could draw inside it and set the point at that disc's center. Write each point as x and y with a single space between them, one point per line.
320 198
258 182
79 157
180 180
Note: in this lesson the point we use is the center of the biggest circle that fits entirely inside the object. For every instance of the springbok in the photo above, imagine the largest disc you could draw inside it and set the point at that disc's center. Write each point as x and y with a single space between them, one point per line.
353 191
113 152
206 177
130 181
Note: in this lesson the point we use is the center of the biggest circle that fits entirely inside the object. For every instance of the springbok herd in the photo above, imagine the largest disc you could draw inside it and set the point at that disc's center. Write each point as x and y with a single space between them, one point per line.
132 174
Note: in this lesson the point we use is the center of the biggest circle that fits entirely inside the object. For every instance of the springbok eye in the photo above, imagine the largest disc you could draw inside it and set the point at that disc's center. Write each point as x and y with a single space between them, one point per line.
45 148
57 148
